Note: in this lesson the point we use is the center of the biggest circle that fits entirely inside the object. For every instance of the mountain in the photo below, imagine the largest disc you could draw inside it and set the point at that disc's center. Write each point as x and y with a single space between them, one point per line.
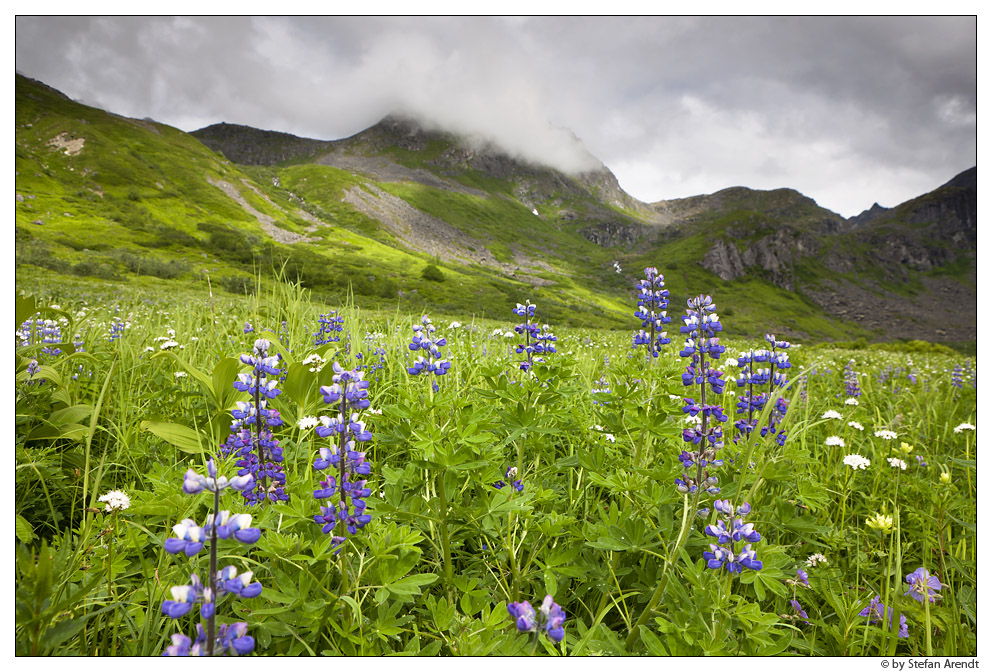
106 196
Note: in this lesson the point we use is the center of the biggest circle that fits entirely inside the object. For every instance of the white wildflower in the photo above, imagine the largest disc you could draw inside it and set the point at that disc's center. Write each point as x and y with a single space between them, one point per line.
167 345
731 362
149 349
851 401
315 362
896 462
307 422
835 441
857 425
964 426
454 325
831 415
816 559
886 434
856 462
181 374
374 411
116 501
610 438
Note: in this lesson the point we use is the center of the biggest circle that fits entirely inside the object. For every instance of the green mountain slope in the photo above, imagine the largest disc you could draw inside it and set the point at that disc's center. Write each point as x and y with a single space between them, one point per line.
140 202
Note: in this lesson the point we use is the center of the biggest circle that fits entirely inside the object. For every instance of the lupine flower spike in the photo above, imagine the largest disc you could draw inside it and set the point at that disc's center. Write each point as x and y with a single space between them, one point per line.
190 539
252 442
431 361
538 342
350 394
730 530
652 304
701 326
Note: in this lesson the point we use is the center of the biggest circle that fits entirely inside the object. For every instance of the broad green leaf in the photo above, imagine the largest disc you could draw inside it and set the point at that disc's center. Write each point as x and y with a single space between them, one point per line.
23 529
411 585
182 437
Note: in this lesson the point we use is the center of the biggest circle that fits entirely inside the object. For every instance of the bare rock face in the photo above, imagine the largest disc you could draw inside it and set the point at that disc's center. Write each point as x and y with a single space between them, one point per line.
613 234
774 254
725 261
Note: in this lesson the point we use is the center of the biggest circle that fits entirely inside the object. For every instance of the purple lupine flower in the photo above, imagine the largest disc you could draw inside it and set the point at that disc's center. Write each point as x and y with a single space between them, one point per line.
538 341
350 393
923 584
802 577
554 618
329 329
550 619
851 386
523 615
652 306
431 361
701 324
251 441
729 531
516 484
190 539
230 638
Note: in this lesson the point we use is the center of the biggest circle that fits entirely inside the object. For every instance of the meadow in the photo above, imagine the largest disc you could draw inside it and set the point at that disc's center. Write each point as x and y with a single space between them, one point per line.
265 475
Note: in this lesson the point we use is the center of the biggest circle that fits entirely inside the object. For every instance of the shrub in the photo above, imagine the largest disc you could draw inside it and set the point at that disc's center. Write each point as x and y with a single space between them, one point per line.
432 273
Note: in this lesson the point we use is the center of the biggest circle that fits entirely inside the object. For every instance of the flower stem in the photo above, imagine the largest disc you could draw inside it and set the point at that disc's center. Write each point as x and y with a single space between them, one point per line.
445 541
213 570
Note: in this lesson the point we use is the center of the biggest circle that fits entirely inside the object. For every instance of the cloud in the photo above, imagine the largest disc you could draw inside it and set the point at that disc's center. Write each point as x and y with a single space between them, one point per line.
848 110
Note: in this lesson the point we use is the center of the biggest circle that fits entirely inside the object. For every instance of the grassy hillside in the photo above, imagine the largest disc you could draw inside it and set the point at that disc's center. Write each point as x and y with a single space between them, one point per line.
139 202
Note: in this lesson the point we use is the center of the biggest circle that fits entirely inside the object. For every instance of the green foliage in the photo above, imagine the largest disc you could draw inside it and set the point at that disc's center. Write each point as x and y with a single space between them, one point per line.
446 551
432 273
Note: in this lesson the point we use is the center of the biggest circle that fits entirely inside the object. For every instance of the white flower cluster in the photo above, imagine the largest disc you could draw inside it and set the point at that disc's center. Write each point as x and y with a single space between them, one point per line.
116 500
856 462
816 559
886 434
831 415
896 462
835 441
851 401
307 422
857 425
315 362
964 426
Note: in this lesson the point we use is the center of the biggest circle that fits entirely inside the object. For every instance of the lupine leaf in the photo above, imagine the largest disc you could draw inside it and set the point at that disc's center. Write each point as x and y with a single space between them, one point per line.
411 585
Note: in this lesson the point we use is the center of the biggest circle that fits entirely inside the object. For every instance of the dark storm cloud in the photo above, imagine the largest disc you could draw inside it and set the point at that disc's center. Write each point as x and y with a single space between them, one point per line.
846 110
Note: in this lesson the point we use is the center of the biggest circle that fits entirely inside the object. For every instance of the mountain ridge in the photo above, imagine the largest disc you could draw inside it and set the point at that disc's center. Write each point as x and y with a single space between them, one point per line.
373 210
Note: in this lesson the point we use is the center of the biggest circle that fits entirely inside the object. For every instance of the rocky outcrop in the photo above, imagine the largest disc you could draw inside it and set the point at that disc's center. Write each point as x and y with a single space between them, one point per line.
613 234
774 255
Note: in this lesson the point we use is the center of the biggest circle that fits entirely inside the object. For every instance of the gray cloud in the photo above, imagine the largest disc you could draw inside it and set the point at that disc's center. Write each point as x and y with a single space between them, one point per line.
846 110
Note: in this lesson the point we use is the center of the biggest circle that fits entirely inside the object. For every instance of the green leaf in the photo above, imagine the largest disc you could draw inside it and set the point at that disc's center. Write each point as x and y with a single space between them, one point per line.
298 384
653 644
71 415
23 529
47 432
182 437
410 586
224 374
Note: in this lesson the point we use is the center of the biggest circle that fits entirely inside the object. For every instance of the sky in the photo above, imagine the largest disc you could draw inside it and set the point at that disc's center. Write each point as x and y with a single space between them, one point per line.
847 110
